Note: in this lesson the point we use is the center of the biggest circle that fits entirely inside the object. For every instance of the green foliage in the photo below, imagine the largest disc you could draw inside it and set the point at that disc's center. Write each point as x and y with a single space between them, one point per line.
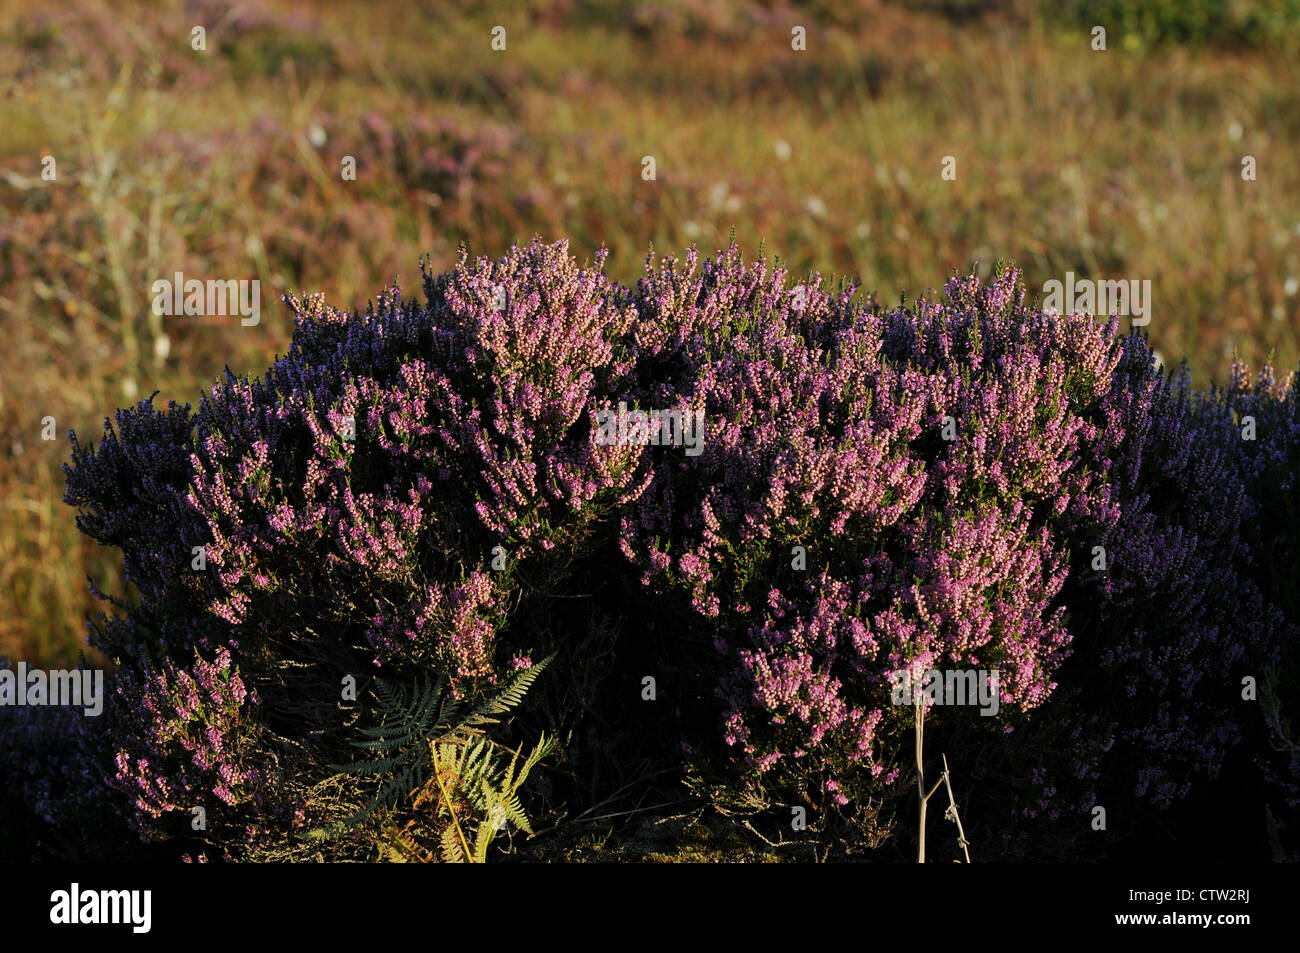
1249 23
434 769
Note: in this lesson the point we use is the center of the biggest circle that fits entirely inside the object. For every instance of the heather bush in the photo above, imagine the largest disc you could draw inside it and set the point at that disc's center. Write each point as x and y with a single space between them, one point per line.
1257 425
827 434
1151 697
424 488
979 551
365 506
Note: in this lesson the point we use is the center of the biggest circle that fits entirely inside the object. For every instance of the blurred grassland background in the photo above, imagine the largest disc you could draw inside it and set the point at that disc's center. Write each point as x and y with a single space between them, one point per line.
226 164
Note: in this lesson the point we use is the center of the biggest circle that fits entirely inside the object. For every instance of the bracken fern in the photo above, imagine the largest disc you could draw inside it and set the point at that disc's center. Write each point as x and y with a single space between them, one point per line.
432 754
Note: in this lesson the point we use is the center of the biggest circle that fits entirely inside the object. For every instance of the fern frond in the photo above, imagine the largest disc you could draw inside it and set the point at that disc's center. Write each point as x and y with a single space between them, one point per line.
451 808
427 752
318 835
452 852
509 696
487 830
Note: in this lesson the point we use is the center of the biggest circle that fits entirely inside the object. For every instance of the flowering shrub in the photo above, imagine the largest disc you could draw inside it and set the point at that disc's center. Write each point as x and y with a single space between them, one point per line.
826 434
466 442
1164 635
1083 522
966 483
367 502
1269 411
191 716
